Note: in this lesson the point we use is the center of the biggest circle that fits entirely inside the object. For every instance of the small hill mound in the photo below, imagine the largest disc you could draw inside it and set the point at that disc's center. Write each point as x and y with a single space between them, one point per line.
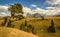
10 32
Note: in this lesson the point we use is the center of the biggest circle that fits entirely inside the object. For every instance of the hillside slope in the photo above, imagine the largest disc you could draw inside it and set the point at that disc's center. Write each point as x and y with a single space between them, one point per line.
10 32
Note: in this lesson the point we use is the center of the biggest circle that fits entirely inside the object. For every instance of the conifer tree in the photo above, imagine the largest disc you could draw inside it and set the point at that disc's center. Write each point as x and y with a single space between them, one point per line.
52 28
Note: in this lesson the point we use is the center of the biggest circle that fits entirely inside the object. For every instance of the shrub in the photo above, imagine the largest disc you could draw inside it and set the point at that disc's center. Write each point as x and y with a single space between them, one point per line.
12 26
23 26
20 17
33 30
42 17
52 28
29 28
5 20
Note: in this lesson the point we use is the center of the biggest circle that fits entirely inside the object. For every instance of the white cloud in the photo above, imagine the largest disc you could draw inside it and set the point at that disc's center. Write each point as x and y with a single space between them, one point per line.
50 8
49 11
37 10
4 8
33 5
40 11
26 10
53 2
53 11
53 7
4 14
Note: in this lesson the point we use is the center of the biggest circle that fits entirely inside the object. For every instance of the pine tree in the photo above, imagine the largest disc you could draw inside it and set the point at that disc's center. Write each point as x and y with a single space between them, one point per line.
52 28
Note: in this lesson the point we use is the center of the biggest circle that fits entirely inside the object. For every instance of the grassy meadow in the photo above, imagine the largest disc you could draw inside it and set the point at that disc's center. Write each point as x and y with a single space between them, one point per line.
40 26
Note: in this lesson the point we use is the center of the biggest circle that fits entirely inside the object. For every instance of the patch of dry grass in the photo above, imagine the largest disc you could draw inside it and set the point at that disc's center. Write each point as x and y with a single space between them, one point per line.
41 25
10 32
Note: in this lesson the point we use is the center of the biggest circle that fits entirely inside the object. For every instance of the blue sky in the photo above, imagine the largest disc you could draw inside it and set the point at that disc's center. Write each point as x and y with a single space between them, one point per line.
27 3
46 7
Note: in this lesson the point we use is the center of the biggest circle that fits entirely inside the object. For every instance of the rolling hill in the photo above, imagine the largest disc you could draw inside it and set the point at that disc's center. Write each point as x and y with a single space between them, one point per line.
10 32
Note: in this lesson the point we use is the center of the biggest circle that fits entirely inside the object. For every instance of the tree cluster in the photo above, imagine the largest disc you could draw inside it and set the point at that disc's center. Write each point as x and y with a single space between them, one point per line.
27 28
